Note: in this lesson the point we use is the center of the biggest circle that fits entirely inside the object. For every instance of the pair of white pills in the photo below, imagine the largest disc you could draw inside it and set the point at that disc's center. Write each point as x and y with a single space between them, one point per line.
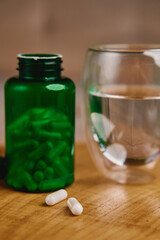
60 195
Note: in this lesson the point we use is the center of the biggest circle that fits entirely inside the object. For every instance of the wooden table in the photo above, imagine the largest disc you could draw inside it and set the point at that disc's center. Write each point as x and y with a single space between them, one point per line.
111 211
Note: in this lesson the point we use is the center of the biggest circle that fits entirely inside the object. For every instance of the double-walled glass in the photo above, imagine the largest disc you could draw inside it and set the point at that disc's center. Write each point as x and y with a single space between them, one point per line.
121 85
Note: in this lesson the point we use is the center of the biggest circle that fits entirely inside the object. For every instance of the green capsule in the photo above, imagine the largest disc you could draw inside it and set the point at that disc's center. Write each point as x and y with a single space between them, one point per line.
27 134
26 145
57 151
17 134
17 184
19 123
68 135
60 169
65 159
49 173
28 181
40 165
14 177
29 165
51 136
38 176
60 117
36 112
11 171
40 151
68 162
61 126
40 123
52 184
39 113
14 165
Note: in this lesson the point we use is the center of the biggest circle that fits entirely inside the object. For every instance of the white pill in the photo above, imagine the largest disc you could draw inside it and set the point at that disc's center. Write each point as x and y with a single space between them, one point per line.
75 207
56 197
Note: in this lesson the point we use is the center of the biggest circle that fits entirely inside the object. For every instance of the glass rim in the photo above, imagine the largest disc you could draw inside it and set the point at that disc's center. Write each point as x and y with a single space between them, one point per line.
125 48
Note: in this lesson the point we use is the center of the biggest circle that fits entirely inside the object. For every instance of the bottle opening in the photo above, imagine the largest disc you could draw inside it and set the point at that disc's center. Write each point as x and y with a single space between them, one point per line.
39 56
39 66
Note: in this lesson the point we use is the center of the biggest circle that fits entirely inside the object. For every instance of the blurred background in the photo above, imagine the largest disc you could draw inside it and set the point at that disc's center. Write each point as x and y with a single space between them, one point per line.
69 27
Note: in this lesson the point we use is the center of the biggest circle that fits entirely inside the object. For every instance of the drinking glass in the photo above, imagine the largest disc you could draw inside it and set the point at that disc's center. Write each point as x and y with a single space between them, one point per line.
121 86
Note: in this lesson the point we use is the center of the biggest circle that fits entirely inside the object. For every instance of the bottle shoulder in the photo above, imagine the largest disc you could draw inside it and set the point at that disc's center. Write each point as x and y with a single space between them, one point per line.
63 83
68 81
11 80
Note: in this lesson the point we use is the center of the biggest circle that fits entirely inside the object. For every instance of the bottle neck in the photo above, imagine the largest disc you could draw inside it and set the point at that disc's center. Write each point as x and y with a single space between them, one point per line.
39 67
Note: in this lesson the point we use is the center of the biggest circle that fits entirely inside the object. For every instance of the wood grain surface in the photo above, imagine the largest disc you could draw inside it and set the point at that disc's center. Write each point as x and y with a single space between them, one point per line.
111 211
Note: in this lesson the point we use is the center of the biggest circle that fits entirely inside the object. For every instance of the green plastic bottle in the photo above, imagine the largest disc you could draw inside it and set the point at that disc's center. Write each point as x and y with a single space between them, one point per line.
40 125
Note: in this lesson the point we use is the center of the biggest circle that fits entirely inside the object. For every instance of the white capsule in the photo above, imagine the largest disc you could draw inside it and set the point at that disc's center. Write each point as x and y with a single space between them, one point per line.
75 207
56 197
